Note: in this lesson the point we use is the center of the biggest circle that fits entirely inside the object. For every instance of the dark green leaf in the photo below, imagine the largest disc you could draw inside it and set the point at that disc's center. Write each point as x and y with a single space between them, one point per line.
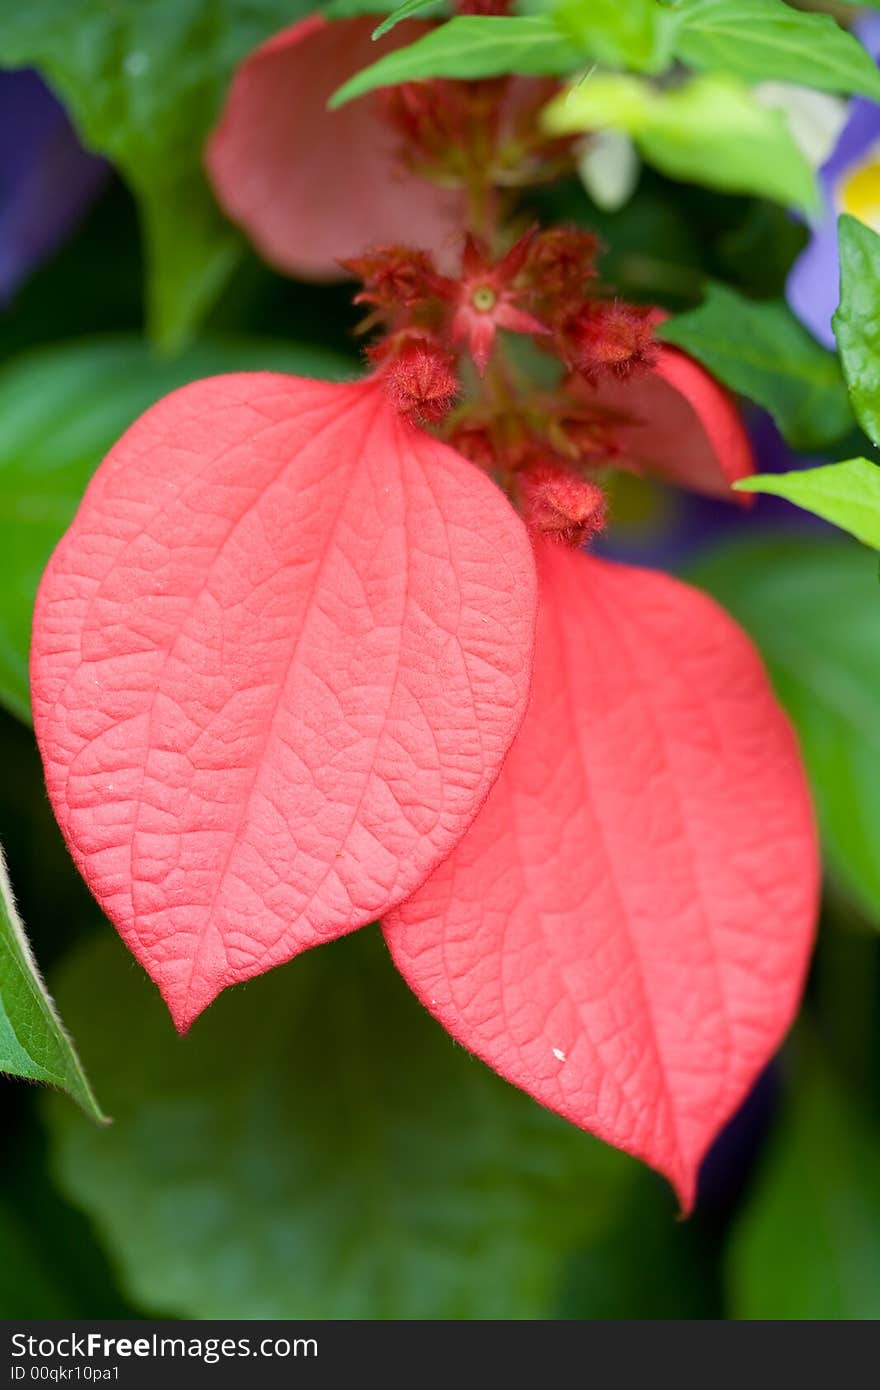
755 254
857 321
318 1147
28 1287
51 1265
763 352
472 46
847 494
33 1043
709 130
808 1244
813 608
762 39
647 1265
50 895
144 80
60 410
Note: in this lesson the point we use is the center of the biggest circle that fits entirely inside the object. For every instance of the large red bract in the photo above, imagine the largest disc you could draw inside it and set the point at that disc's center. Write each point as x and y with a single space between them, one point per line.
683 426
312 186
277 662
624 930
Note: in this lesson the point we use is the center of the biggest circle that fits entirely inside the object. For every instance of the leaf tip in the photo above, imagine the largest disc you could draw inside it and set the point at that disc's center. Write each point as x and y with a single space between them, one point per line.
186 1000
184 1012
342 95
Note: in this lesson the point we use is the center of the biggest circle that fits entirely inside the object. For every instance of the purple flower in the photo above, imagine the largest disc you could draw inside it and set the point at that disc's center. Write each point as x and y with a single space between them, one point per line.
47 180
849 182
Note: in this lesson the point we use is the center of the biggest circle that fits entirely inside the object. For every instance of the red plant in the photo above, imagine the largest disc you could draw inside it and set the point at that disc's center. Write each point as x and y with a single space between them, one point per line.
299 664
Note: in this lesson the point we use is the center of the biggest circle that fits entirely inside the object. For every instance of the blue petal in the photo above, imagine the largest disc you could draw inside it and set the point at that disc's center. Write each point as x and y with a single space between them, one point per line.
47 180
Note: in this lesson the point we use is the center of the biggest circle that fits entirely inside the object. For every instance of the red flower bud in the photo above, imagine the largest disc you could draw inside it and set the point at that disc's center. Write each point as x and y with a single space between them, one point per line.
438 121
393 277
613 338
562 506
421 381
561 263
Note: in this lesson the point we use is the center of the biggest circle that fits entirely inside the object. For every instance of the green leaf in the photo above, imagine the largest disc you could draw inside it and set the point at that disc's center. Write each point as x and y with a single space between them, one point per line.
857 321
639 34
808 1243
33 1043
847 494
471 46
60 410
405 11
318 1147
760 350
711 130
813 608
761 39
143 81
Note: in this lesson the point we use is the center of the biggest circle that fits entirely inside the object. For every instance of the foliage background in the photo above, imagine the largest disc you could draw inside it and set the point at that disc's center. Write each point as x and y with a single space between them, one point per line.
318 1147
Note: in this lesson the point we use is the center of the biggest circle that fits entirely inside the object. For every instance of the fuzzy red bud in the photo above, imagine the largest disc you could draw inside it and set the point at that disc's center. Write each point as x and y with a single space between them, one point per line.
393 277
614 338
557 504
421 381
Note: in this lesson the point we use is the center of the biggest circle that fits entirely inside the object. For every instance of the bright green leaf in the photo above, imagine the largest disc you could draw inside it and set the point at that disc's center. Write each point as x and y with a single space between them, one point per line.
847 494
405 11
814 610
143 81
807 1245
639 34
472 46
760 350
33 1043
857 321
602 100
318 1147
710 130
764 39
60 410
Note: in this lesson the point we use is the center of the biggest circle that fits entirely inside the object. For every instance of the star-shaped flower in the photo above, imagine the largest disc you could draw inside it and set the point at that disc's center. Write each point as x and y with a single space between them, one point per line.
487 298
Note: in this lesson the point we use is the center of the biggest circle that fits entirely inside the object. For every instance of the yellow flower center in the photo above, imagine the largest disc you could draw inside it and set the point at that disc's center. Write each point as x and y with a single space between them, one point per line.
858 192
484 298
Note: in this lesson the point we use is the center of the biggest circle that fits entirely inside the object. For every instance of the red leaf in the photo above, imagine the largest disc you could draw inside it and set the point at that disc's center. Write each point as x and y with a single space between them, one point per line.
624 930
311 186
687 428
277 661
